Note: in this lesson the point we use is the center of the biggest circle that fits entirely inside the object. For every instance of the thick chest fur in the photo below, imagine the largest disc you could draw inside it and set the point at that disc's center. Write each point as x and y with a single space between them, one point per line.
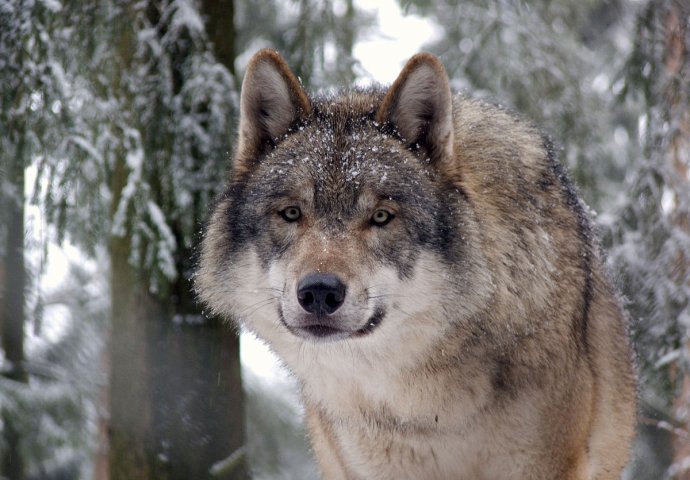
408 437
372 427
385 455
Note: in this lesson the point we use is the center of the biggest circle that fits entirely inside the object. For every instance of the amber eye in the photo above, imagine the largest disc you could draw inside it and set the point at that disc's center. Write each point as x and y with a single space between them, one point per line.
381 218
291 214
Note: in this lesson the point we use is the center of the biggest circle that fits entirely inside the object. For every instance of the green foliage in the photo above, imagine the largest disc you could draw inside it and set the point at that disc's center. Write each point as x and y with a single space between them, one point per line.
49 428
650 238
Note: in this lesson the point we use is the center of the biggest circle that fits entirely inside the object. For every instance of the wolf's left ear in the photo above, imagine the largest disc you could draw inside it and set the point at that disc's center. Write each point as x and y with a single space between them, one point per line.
272 99
419 105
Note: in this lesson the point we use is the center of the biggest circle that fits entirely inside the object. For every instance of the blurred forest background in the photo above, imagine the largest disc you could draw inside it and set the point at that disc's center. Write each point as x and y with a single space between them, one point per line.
116 131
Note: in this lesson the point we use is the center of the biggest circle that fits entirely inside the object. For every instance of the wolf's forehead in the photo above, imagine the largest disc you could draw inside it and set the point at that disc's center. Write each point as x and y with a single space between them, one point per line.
341 134
350 159
337 168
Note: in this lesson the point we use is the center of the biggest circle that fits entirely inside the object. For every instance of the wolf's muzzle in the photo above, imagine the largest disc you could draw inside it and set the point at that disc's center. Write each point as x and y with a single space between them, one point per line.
321 293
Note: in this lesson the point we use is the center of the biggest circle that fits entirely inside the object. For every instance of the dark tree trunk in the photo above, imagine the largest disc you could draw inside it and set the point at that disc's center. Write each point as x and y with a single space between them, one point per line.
131 454
220 27
13 298
12 285
132 449
197 392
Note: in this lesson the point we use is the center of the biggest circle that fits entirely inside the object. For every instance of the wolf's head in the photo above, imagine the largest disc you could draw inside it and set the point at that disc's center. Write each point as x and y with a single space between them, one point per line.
345 221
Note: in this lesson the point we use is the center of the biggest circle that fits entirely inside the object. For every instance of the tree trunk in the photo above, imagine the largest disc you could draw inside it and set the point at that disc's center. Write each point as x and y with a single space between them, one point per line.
13 296
198 396
175 387
220 27
677 99
131 449
12 303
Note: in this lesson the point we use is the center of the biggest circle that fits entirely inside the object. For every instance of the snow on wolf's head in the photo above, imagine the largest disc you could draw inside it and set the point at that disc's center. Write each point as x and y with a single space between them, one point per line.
342 223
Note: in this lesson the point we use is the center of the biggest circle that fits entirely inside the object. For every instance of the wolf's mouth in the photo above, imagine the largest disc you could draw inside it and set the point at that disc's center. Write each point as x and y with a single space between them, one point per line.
331 332
321 331
372 323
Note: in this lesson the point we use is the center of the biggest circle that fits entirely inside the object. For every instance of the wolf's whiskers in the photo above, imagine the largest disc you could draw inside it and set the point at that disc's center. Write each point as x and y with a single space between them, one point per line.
253 308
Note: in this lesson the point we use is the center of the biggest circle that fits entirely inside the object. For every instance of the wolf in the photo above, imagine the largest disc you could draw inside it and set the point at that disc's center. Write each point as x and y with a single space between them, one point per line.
423 265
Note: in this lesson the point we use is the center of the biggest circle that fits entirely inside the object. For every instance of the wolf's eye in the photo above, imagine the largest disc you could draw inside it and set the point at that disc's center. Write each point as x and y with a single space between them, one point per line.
291 214
381 218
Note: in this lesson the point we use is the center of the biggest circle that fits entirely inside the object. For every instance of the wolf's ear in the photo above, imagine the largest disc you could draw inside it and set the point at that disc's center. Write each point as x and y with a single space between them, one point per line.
419 105
271 100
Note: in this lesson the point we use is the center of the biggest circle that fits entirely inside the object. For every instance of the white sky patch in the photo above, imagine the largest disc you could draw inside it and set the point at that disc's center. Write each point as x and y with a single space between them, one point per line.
395 40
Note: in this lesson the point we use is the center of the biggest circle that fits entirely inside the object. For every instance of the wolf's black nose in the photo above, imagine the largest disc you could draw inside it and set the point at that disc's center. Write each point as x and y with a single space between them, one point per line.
321 293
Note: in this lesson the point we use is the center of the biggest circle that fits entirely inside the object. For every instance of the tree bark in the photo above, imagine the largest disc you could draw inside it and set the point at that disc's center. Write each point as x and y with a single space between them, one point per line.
131 450
15 275
12 302
220 28
198 396
677 100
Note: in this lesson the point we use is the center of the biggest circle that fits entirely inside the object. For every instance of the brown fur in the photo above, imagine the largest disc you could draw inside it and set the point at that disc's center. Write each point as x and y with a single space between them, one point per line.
503 350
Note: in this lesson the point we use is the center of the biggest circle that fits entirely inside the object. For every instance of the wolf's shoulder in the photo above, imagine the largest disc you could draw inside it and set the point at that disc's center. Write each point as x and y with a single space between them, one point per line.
500 146
480 125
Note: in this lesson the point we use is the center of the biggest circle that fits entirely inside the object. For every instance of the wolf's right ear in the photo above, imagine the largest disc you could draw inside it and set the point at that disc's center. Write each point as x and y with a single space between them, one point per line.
419 105
271 100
